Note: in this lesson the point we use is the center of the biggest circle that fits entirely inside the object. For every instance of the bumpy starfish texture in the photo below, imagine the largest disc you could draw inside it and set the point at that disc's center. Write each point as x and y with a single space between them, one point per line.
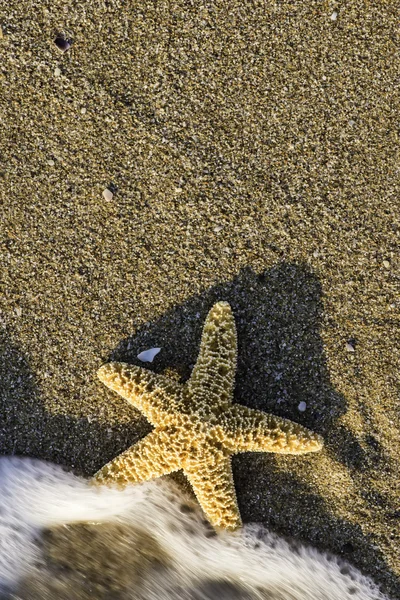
197 428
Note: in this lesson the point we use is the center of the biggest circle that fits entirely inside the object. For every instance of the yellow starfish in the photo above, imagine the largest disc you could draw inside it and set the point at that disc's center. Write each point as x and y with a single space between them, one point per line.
197 428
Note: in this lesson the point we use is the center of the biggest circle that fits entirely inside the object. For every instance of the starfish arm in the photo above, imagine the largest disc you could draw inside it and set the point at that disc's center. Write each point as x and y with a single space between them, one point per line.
154 395
150 458
215 491
251 430
213 376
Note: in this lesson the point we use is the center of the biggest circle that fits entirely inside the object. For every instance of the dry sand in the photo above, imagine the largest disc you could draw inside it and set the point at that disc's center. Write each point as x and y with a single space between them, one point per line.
252 149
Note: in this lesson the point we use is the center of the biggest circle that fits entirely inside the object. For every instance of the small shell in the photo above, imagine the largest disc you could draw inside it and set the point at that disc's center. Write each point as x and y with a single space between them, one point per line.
148 355
302 407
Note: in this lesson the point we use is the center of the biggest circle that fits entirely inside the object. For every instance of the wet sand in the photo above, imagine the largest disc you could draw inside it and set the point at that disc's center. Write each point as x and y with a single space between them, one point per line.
252 152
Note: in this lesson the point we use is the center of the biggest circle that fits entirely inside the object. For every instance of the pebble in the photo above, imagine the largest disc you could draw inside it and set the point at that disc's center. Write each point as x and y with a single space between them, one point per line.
334 16
57 72
148 355
108 195
350 347
302 406
62 44
51 163
386 264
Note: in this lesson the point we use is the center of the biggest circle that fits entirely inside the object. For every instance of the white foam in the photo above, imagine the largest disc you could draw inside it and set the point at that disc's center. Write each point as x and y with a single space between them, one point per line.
35 494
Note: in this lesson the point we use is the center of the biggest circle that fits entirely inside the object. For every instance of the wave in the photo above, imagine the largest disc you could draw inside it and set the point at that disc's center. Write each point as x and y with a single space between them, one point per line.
187 558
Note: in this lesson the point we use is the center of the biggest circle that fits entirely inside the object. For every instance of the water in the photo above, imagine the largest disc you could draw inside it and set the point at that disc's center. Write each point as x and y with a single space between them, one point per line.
61 538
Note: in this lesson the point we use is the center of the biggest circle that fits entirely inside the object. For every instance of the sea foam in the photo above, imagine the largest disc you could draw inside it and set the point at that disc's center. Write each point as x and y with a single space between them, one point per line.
248 564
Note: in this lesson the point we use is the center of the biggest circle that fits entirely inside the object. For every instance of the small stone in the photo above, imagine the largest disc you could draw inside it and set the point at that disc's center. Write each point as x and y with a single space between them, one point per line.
350 347
62 43
83 111
218 228
302 407
108 195
386 264
148 355
334 16
57 72
352 123
51 163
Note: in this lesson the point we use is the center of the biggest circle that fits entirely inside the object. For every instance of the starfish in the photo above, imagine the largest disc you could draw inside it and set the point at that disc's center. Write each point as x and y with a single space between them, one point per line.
197 428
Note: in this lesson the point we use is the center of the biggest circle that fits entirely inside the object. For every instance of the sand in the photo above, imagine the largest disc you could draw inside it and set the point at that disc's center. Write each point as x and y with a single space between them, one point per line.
251 149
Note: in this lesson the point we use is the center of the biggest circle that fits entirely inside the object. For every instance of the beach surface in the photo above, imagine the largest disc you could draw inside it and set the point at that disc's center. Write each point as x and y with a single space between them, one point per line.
177 154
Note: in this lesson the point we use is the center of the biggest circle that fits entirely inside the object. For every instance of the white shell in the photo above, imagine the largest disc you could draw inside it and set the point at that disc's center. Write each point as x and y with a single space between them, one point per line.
148 355
302 406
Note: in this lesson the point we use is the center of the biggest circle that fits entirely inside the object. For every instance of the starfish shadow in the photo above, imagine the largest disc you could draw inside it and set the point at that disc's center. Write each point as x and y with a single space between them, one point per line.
280 352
